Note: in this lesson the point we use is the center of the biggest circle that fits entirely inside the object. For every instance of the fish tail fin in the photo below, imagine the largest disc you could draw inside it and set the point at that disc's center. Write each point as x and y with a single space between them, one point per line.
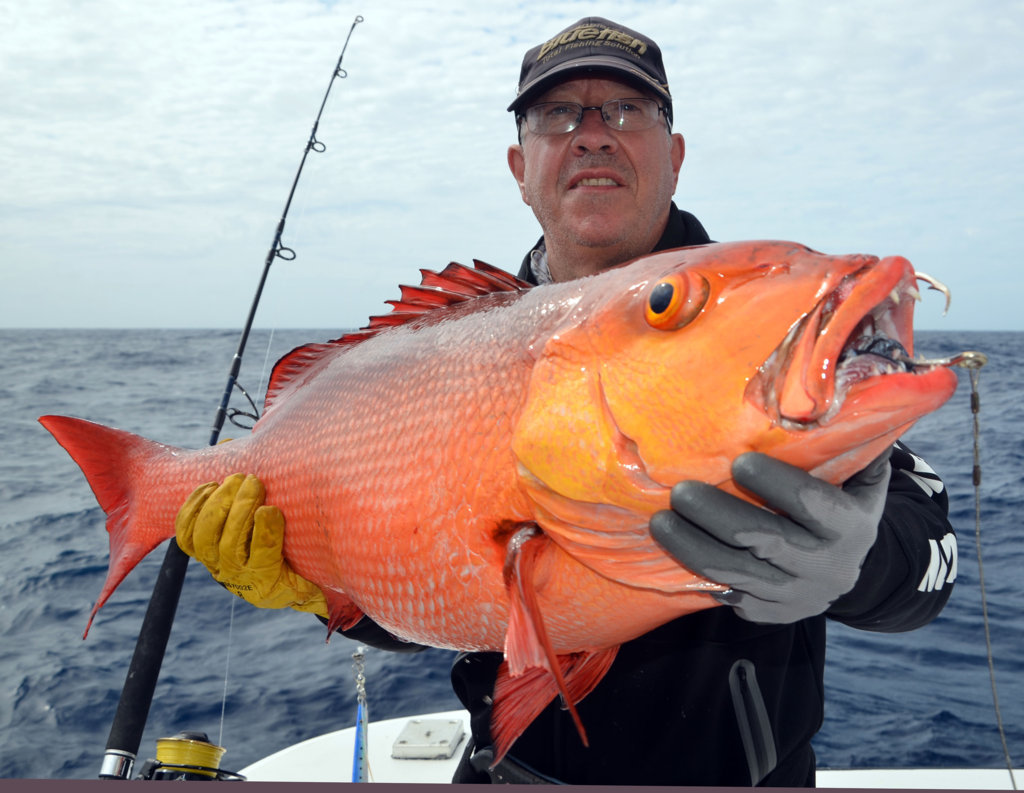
533 673
116 464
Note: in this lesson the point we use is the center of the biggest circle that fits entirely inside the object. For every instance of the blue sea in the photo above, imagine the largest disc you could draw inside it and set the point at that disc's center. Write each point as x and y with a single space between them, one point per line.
256 681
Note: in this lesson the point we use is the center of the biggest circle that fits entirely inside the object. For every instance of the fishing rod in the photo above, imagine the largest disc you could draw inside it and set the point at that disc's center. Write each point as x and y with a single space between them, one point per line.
137 693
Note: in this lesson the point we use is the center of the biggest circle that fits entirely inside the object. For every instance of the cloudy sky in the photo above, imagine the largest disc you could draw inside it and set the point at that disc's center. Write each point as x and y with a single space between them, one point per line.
147 149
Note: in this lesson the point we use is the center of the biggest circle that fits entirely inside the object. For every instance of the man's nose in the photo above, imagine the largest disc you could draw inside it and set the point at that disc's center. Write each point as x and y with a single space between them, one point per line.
593 134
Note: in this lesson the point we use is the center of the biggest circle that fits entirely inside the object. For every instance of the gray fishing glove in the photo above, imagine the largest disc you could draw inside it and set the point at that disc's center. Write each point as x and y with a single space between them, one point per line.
781 567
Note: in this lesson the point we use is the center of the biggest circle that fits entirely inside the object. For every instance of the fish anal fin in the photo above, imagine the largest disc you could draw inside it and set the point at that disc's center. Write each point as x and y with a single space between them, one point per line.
341 611
456 284
518 700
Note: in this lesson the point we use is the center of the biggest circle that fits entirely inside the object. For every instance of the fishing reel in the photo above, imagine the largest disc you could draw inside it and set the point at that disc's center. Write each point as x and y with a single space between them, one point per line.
187 756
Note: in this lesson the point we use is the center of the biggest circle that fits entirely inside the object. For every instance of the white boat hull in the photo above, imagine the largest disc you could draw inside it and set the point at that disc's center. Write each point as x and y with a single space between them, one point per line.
328 758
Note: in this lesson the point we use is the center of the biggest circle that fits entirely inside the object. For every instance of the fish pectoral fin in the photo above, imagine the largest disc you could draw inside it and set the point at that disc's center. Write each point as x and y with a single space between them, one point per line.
341 611
530 658
526 641
518 700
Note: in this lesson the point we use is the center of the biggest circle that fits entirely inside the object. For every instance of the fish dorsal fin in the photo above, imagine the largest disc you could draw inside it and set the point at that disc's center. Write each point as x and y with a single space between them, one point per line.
455 284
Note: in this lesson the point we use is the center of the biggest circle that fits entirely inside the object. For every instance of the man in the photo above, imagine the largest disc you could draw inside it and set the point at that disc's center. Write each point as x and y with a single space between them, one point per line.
726 696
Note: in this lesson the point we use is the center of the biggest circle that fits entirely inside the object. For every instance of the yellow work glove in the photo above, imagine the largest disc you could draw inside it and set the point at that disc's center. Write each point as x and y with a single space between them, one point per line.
240 541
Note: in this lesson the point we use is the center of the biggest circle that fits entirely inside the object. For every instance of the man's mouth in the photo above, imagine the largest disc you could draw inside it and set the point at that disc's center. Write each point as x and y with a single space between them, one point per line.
603 181
600 176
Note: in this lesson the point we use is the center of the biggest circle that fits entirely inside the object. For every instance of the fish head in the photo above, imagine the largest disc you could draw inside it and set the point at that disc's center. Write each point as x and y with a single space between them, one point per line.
683 360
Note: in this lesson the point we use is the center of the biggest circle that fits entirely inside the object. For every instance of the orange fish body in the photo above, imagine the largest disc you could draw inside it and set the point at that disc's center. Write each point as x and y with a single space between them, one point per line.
476 470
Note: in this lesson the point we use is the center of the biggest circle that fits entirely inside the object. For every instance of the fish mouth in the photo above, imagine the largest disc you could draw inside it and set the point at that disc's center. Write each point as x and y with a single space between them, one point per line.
860 330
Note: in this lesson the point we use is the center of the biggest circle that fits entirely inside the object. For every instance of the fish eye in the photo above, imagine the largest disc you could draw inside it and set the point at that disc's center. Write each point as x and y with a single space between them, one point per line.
676 300
661 298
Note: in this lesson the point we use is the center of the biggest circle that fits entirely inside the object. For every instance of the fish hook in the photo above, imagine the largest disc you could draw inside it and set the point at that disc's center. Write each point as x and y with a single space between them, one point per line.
937 285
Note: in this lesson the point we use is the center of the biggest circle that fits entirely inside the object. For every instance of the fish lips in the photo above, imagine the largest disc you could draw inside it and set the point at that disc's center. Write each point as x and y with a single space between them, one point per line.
860 330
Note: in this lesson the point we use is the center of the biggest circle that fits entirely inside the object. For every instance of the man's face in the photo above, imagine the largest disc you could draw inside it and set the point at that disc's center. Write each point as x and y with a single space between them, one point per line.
601 196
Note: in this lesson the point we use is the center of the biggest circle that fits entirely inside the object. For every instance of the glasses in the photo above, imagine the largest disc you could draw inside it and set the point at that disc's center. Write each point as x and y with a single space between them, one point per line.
624 115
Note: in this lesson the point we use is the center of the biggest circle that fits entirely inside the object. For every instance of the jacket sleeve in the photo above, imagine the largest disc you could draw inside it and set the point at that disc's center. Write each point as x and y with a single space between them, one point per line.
368 632
908 574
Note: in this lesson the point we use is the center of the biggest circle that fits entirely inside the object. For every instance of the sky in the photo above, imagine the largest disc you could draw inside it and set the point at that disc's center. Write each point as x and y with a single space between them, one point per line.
147 149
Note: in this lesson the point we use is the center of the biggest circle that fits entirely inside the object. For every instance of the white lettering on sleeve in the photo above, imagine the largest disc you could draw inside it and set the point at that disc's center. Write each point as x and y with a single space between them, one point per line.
942 567
924 475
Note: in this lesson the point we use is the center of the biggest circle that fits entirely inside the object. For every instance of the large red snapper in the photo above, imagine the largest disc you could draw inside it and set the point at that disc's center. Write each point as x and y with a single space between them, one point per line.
476 470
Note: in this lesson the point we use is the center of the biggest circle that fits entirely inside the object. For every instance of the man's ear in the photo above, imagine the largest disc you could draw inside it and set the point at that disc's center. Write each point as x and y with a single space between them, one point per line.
677 154
517 164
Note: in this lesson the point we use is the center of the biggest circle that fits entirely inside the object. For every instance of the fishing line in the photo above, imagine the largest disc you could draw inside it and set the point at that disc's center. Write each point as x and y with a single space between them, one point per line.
266 363
228 644
974 373
140 682
234 414
227 665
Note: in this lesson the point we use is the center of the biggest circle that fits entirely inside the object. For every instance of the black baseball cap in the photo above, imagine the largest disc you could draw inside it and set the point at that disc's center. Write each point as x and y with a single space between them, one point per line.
593 44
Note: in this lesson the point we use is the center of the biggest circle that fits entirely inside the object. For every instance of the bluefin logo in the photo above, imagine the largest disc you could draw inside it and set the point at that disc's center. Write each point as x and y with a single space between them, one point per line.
589 35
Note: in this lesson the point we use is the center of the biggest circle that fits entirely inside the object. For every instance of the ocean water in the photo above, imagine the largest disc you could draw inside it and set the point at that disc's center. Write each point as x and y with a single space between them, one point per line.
258 680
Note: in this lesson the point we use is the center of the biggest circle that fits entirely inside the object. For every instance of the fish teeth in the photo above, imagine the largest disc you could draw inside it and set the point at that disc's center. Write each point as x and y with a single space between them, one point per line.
911 291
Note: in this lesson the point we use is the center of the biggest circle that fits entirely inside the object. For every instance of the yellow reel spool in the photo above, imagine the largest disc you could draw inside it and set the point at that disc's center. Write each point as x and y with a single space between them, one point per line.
189 755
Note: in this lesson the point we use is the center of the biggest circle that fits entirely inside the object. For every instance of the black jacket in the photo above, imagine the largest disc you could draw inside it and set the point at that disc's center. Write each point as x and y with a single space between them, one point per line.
711 699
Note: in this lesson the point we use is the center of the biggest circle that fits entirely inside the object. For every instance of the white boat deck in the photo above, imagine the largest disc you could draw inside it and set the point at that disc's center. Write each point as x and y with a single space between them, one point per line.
393 746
